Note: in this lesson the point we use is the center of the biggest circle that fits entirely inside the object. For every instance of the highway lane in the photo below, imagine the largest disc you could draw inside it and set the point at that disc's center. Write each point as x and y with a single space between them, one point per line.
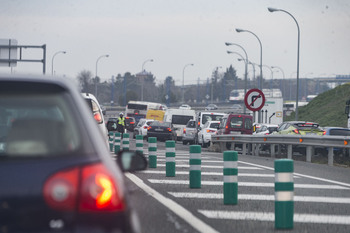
322 196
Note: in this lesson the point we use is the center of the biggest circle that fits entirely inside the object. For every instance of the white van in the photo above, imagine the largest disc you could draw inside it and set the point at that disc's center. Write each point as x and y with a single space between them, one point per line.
179 118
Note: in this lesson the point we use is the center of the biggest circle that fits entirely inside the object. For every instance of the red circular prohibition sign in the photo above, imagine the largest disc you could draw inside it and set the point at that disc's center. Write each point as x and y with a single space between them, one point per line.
254 99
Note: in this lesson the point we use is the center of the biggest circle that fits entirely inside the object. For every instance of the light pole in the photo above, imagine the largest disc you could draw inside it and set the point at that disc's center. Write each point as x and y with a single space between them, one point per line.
183 81
276 67
271 80
64 52
245 74
297 99
212 84
106 55
246 69
143 78
261 73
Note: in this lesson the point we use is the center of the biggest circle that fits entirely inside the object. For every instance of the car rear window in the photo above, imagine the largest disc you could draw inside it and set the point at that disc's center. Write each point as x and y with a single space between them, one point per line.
191 124
180 119
158 123
36 123
339 132
307 125
214 125
210 117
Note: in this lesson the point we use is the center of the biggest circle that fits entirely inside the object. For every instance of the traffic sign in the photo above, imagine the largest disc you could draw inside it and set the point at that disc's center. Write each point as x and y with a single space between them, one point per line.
254 99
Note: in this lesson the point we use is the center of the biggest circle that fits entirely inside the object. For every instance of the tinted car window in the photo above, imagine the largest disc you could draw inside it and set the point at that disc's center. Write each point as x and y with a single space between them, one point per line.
180 120
236 122
214 125
48 118
191 124
339 132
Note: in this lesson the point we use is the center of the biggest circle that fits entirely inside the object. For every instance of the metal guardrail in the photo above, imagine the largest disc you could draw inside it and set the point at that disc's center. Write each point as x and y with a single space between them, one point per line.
252 144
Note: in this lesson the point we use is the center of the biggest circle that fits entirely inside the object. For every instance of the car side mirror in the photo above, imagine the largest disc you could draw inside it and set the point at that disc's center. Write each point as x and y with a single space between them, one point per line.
130 161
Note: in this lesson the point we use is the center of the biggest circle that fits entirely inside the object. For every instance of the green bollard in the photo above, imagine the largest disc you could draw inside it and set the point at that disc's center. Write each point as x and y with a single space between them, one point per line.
195 166
230 178
139 143
111 141
117 139
170 158
284 192
126 142
152 152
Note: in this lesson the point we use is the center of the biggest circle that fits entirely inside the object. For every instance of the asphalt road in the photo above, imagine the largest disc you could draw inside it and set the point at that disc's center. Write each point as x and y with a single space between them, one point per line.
167 204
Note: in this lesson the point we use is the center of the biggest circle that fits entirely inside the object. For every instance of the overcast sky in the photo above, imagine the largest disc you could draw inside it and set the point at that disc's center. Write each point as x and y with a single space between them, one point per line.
176 33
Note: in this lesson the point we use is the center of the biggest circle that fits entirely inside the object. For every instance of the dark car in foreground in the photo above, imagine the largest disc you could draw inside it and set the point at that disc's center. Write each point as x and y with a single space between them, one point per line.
162 131
56 173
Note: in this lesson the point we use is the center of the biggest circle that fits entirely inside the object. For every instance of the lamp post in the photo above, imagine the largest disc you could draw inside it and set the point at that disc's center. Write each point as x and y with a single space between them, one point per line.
276 67
106 55
297 98
53 57
183 81
143 78
212 84
246 69
261 73
245 74
271 80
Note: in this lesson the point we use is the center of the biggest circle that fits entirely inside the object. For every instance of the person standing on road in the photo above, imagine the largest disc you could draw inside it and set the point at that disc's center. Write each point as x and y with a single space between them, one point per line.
121 124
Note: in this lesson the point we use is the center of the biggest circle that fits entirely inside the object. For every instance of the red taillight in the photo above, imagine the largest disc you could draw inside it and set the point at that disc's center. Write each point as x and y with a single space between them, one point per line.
324 133
60 190
168 129
88 188
296 131
132 122
226 127
98 117
149 127
211 131
145 127
98 190
184 130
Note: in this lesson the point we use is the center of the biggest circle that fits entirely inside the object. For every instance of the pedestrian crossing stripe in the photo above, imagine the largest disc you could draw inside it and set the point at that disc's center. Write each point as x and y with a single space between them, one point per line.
268 216
249 184
212 166
215 174
318 199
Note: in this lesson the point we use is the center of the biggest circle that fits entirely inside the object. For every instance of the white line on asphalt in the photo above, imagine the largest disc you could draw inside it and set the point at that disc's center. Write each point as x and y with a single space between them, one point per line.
249 184
173 206
298 174
318 199
212 166
268 216
187 160
213 173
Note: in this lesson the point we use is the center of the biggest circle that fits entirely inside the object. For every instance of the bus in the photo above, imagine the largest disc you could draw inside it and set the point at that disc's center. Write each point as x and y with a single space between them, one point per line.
237 95
139 109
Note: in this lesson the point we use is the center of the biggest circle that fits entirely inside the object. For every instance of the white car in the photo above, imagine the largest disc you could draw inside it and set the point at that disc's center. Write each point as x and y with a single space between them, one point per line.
266 129
185 106
141 127
204 135
96 113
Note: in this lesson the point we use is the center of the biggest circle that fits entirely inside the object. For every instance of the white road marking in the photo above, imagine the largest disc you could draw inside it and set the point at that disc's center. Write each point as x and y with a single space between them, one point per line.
173 206
298 174
212 166
187 160
268 216
249 184
214 174
318 199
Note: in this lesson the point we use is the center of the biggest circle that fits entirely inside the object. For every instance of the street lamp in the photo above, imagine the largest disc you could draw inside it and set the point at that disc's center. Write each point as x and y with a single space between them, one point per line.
276 67
64 52
297 99
183 82
212 85
106 55
142 82
246 68
271 80
261 73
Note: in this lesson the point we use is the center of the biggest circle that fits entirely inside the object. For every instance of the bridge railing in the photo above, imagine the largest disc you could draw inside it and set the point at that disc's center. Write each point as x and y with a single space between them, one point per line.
253 144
